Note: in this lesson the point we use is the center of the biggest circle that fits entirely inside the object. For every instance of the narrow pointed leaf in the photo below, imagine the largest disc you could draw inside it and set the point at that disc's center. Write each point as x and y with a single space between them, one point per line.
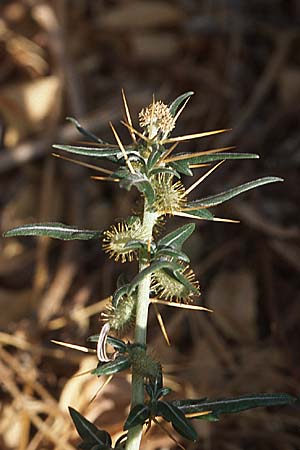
88 431
53 230
141 183
232 405
154 267
95 152
190 159
170 252
175 105
183 280
85 132
137 416
182 167
154 157
177 238
172 414
118 365
214 200
204 214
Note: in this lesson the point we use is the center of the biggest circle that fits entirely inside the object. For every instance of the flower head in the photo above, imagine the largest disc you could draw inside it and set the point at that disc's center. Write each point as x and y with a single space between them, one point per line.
157 118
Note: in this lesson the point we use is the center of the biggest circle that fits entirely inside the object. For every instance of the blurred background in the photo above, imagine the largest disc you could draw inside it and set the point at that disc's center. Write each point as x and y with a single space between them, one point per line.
71 58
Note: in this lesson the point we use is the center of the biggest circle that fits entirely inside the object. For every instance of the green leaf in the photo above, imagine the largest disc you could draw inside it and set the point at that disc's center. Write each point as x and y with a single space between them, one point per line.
175 105
53 230
214 200
181 167
118 365
170 252
85 132
177 238
141 183
172 414
88 431
232 405
154 157
95 152
204 214
137 416
203 159
154 267
183 280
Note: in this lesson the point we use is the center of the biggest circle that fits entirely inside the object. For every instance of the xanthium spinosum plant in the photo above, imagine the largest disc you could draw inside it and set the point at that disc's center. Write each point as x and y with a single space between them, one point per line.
151 165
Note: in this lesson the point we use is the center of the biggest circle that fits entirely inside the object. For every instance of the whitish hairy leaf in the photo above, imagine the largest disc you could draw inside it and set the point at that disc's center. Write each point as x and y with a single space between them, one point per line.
214 200
53 230
232 405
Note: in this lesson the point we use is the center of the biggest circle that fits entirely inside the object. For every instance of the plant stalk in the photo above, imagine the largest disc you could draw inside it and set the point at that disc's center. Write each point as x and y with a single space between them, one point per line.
137 395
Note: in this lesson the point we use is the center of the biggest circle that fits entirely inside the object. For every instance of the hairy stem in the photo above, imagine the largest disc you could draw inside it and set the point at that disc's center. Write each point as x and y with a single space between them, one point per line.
137 395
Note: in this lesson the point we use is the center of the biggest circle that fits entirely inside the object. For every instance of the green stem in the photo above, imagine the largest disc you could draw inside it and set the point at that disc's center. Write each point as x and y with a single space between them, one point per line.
137 395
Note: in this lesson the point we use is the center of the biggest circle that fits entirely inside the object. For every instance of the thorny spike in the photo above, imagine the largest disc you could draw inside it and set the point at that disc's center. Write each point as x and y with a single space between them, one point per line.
188 137
105 383
105 179
168 152
194 185
122 148
193 155
181 109
191 216
199 414
131 128
73 346
162 325
128 116
84 164
180 305
168 433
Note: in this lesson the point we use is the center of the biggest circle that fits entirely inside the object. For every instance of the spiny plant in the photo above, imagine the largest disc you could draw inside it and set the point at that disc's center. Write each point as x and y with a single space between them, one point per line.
151 165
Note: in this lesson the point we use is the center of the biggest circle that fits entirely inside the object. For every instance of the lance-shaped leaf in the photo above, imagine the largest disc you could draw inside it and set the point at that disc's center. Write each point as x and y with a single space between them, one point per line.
85 132
185 282
53 230
176 104
170 252
214 200
188 158
137 416
154 267
96 152
141 183
181 167
89 432
179 422
118 365
232 405
176 238
203 214
154 157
